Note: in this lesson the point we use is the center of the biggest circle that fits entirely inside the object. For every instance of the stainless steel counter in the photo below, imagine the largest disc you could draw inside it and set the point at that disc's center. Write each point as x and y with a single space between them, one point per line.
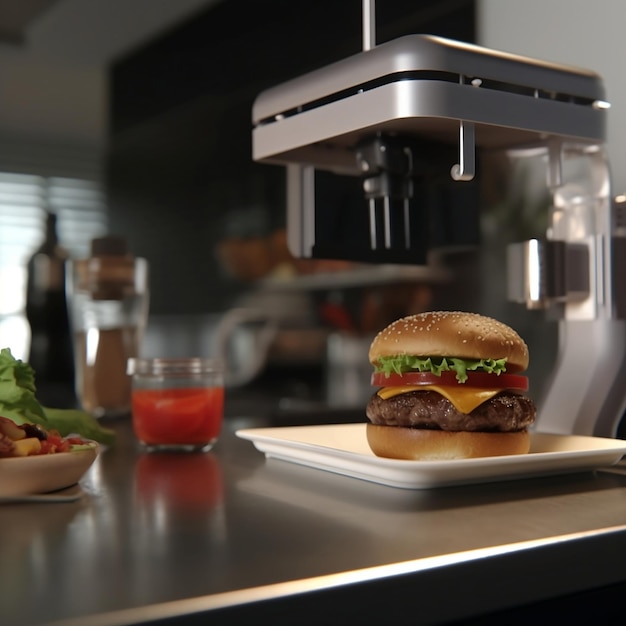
228 537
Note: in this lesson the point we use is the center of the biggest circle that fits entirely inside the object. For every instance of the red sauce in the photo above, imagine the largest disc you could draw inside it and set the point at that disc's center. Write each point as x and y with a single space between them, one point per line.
189 416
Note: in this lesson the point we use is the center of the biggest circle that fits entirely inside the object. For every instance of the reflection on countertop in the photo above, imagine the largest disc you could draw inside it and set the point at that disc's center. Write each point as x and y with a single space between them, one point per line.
205 537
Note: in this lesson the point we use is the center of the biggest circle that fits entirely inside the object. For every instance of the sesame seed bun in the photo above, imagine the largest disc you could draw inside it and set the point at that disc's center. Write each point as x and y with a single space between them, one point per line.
451 334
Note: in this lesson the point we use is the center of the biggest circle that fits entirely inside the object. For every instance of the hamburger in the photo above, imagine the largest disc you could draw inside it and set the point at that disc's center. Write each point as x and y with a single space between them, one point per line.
449 388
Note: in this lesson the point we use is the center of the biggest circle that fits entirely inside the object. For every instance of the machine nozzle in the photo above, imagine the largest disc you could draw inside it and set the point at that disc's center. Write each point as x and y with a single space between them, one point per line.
387 167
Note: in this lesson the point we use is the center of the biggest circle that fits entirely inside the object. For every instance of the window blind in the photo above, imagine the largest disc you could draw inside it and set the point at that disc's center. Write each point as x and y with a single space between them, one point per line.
35 179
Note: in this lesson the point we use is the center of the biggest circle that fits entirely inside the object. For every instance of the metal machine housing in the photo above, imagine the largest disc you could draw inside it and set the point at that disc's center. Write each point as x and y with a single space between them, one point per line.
431 90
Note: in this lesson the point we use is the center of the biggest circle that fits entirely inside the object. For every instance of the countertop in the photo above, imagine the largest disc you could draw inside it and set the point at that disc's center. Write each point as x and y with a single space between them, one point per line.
228 537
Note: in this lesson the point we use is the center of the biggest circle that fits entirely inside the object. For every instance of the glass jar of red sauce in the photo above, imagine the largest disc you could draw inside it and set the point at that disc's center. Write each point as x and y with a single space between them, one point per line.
177 404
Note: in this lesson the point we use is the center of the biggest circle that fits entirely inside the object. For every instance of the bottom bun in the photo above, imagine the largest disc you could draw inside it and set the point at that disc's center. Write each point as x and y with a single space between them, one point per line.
398 442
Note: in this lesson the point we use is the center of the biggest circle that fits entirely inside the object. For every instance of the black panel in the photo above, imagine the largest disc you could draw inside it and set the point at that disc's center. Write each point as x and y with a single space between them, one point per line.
179 161
243 46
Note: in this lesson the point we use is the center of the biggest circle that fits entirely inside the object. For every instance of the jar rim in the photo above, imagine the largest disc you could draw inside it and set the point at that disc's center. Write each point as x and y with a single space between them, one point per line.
173 366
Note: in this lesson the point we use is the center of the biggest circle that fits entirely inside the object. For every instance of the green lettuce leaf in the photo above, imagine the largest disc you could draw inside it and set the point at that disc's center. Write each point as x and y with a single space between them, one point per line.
403 363
19 403
17 391
69 421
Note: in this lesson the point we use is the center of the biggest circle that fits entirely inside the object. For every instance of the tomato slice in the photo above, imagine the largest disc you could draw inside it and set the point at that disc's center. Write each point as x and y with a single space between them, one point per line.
474 379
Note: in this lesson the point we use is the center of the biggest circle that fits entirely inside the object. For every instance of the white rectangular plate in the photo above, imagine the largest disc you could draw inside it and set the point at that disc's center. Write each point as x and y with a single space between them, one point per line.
343 449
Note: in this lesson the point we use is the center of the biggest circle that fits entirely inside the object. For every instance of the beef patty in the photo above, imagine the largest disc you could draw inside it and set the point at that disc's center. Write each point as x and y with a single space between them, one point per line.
505 412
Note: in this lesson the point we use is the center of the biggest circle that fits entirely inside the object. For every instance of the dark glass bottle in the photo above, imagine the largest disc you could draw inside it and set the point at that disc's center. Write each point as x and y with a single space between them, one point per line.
51 353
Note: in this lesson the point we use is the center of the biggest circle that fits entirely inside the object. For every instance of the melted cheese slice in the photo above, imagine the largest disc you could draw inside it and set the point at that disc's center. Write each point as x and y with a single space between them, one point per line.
465 399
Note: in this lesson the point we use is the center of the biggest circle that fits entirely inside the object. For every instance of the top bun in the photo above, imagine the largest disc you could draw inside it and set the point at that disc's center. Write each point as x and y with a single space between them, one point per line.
451 334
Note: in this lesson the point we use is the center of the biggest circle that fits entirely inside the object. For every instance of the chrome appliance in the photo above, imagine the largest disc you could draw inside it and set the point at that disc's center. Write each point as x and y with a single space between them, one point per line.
419 105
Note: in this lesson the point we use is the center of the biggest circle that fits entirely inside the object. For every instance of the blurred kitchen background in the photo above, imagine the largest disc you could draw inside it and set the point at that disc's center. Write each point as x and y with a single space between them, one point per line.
132 117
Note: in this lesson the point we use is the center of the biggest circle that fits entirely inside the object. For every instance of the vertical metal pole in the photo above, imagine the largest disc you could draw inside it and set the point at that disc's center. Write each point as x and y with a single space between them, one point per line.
373 235
407 224
369 41
301 210
406 206
387 221
369 24
555 165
